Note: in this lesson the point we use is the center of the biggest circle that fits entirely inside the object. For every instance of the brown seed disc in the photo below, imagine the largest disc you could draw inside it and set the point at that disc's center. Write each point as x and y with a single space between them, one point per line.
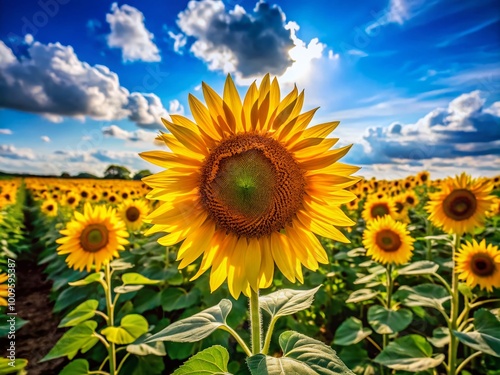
94 237
460 204
482 265
379 209
132 214
388 240
251 185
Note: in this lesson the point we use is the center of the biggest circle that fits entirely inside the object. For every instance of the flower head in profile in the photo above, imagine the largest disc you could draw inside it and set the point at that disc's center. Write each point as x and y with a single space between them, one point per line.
247 186
388 241
461 205
93 237
479 264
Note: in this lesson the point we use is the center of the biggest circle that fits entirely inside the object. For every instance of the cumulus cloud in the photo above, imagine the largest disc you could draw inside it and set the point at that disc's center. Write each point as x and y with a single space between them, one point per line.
55 83
246 44
139 135
129 33
465 128
45 138
5 131
175 107
11 152
180 41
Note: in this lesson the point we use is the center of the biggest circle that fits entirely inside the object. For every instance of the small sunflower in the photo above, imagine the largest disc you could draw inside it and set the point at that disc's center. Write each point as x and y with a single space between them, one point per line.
375 207
247 184
133 213
3 289
461 205
71 199
423 177
411 198
93 237
388 241
49 207
479 264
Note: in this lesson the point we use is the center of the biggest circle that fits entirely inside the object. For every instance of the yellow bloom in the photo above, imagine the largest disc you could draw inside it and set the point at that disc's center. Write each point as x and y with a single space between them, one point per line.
3 289
49 207
133 213
93 237
71 199
247 184
377 207
411 198
479 264
388 241
461 205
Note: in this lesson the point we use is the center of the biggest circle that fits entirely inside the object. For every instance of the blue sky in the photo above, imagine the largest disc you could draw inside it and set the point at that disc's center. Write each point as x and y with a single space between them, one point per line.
415 84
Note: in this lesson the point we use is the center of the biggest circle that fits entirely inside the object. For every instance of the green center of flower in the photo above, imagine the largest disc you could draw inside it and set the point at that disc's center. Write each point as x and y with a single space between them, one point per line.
388 241
94 237
251 185
132 214
379 209
482 265
460 204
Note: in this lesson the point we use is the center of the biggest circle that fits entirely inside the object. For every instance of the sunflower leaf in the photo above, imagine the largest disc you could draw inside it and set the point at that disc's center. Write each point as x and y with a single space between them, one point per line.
361 295
351 332
486 336
76 367
429 295
128 288
137 279
81 313
423 267
78 337
287 301
301 355
409 353
92 278
139 347
387 321
196 327
211 361
120 265
131 327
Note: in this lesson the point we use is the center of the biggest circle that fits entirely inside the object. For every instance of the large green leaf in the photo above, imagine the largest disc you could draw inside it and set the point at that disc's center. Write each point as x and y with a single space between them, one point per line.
139 347
92 278
77 367
373 273
120 265
387 321
440 337
429 295
486 336
177 298
361 295
79 337
137 279
301 355
196 327
83 312
123 289
19 364
211 361
287 301
409 353
351 332
131 327
422 267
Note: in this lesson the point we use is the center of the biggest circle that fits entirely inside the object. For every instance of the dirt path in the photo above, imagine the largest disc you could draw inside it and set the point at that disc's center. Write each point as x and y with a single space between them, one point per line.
38 336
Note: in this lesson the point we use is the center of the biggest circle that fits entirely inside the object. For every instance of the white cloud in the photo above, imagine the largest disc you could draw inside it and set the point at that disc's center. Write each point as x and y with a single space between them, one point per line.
134 136
55 83
5 131
129 33
180 41
175 107
45 138
28 39
11 152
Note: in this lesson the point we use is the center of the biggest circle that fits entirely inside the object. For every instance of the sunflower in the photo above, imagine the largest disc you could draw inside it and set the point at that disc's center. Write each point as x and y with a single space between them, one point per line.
133 213
49 207
72 199
411 198
461 205
377 207
479 264
93 237
388 241
423 177
247 184
3 289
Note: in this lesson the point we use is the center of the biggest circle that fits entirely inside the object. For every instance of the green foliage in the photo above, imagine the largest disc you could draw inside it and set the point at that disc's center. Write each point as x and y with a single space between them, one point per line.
211 361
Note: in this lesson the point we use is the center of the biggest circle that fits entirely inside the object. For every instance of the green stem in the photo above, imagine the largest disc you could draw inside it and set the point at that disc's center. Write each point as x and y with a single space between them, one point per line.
110 310
453 346
467 360
122 362
388 302
255 322
269 334
238 339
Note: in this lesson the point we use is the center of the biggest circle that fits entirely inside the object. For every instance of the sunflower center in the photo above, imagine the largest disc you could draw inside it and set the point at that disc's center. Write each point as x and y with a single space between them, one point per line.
94 237
460 204
132 214
379 209
50 207
388 240
410 200
399 207
482 265
71 200
251 185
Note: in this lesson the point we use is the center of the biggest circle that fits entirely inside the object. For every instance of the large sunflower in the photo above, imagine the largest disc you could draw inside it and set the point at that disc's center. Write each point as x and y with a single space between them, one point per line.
388 241
247 184
479 264
461 204
133 212
93 237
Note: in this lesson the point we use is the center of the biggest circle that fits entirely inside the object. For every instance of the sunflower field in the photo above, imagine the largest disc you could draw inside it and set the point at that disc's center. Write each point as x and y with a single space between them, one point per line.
255 251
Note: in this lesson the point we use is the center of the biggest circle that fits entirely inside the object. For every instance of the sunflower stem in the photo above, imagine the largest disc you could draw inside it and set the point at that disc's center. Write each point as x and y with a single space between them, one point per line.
269 334
389 286
453 325
255 322
110 310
